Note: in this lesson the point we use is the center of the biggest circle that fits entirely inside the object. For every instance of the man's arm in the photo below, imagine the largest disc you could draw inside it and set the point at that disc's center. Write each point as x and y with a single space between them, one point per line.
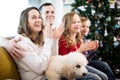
13 48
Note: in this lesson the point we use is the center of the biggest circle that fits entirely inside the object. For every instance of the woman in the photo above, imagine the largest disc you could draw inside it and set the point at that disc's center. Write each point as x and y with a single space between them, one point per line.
71 40
37 50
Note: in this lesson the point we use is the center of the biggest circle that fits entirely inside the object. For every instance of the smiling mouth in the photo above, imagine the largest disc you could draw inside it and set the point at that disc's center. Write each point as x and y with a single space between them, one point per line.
37 25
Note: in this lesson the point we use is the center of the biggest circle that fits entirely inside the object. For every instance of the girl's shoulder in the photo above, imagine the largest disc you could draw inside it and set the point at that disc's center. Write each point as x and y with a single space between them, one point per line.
62 38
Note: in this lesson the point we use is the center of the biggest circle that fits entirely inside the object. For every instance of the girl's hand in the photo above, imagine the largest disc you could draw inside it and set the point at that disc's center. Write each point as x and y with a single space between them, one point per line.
92 45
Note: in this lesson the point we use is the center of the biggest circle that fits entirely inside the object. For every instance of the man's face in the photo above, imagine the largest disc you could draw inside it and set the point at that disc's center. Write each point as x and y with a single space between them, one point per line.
48 14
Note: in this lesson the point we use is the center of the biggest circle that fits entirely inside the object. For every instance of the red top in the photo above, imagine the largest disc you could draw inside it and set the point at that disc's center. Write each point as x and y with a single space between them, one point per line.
63 49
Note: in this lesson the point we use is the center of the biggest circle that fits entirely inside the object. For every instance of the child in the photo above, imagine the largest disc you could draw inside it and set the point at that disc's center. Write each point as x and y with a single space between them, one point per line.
100 65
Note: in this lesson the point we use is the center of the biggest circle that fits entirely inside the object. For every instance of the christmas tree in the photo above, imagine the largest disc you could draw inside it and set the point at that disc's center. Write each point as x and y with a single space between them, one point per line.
104 27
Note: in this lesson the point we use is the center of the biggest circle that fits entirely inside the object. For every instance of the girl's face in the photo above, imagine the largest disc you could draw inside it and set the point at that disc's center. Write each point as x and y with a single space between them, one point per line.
84 28
34 21
75 25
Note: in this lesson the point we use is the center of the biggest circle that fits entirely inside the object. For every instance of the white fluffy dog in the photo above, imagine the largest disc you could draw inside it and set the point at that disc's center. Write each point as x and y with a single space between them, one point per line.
69 66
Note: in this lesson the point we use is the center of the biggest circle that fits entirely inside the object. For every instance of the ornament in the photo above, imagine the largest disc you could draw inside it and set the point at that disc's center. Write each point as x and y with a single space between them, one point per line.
116 43
116 27
100 15
92 11
100 43
105 34
108 18
115 39
88 1
75 10
82 8
96 25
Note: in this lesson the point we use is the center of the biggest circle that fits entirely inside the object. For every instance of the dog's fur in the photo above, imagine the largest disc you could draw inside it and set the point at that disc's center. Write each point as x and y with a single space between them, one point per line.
70 66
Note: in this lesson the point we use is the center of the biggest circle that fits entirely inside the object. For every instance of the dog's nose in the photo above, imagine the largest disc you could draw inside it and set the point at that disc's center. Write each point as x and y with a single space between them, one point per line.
84 74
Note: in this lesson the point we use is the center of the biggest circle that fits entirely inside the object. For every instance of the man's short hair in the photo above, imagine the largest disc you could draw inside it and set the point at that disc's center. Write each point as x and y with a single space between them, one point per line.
45 4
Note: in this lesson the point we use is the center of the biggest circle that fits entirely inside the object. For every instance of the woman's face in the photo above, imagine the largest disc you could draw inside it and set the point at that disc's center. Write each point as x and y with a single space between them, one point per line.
84 28
75 25
35 21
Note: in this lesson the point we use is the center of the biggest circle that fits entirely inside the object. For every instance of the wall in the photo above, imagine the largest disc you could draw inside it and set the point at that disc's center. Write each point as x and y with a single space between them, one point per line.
9 16
67 6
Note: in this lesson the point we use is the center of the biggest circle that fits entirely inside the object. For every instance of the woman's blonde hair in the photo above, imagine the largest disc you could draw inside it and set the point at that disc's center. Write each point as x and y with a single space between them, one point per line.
67 18
24 29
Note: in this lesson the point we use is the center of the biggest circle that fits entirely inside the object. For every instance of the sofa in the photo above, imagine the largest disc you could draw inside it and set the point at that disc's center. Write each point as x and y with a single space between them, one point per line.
8 68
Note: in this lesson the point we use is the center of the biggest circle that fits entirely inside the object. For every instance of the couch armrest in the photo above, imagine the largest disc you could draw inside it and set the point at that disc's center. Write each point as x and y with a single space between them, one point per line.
8 68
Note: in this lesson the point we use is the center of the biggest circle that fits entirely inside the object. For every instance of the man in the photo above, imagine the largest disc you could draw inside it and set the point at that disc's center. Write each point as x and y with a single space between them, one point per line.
47 11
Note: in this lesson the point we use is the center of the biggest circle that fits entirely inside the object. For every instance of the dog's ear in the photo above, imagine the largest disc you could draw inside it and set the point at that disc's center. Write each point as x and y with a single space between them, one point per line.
67 71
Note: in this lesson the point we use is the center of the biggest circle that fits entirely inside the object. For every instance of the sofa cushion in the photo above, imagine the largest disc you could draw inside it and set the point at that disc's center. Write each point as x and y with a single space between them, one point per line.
8 68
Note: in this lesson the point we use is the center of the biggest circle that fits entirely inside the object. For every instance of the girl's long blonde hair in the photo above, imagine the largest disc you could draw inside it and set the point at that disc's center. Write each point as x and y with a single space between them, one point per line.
68 22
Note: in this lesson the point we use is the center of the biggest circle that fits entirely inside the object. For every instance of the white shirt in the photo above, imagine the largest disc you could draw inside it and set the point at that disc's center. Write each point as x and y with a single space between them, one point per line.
33 65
